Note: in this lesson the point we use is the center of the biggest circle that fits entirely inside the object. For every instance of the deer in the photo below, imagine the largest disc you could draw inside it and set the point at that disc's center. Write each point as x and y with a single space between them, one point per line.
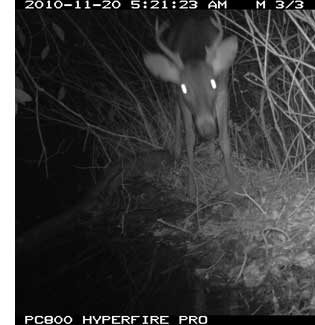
197 59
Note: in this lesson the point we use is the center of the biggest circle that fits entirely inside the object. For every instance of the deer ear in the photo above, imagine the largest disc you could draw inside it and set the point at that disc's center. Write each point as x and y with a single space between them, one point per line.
161 67
222 58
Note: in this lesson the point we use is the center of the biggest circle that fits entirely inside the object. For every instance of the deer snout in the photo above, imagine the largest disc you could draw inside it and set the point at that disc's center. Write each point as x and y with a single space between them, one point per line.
206 125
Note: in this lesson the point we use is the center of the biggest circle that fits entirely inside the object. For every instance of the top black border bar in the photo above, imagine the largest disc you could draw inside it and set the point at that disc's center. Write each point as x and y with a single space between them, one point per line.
183 5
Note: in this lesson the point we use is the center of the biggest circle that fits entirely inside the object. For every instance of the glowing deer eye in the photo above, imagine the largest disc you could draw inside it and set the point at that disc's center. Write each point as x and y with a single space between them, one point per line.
184 89
213 84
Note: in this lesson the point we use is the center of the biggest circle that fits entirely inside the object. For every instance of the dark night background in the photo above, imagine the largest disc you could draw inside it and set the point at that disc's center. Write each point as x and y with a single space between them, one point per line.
90 111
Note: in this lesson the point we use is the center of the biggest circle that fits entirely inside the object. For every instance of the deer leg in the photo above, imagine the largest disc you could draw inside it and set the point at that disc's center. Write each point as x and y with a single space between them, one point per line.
190 142
222 104
177 149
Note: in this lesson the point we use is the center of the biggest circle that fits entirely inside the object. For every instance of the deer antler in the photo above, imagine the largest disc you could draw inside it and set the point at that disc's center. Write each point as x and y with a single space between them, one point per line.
217 23
175 57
